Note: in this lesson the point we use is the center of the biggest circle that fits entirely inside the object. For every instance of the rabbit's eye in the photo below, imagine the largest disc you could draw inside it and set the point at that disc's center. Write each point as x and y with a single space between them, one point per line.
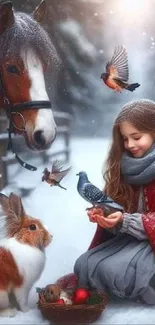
32 227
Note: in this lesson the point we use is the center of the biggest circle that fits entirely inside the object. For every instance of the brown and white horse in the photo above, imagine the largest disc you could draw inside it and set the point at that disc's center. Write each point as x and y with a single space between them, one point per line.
25 52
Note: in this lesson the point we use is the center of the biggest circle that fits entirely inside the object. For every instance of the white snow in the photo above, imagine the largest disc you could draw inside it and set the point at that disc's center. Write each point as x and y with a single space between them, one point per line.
64 214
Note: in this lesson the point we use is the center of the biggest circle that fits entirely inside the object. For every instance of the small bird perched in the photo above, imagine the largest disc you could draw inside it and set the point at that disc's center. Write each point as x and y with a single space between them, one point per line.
56 175
117 72
94 195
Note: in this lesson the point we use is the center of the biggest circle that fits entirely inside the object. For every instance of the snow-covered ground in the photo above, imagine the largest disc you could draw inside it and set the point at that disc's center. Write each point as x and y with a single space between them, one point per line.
64 214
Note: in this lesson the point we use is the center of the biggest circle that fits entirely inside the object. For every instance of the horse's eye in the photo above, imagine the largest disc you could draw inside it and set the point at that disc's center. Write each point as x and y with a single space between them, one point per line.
32 227
12 69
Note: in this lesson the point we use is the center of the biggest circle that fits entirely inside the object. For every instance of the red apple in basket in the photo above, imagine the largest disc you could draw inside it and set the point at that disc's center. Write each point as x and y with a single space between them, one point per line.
80 296
60 302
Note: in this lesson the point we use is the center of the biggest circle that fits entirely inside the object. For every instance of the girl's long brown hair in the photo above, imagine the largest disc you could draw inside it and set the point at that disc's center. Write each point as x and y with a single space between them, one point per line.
141 114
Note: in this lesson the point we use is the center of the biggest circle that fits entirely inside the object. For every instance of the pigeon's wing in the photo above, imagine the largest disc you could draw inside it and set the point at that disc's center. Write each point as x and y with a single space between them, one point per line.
58 176
109 202
117 67
113 205
93 193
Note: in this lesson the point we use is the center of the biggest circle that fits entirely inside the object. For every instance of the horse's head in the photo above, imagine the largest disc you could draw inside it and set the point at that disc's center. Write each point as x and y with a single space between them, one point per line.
25 51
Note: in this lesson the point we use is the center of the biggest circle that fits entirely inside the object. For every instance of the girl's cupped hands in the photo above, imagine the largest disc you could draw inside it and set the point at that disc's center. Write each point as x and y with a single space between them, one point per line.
110 221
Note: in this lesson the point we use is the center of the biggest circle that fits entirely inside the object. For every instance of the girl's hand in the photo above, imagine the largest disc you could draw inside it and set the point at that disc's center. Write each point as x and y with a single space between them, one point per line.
97 215
110 221
93 213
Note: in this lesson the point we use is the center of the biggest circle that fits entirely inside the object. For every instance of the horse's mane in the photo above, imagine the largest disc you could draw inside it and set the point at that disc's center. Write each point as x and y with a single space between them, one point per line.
26 32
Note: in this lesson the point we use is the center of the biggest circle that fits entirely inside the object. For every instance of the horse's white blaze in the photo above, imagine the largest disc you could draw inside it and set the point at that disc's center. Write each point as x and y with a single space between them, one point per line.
44 121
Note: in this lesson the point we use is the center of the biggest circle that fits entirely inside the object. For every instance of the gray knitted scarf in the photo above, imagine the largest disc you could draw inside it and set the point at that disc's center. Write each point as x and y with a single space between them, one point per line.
138 171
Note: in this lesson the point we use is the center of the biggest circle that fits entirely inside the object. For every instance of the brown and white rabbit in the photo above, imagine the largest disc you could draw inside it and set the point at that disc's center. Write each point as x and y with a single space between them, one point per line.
22 257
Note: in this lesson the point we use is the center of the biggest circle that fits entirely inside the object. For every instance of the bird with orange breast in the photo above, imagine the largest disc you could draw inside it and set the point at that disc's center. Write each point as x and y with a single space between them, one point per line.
56 174
117 72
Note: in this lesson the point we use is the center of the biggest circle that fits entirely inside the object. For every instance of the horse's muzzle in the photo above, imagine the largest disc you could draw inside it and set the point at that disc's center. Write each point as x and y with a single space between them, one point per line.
40 141
39 138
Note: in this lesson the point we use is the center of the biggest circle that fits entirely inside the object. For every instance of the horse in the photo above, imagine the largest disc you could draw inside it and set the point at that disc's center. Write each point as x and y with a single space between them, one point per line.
26 51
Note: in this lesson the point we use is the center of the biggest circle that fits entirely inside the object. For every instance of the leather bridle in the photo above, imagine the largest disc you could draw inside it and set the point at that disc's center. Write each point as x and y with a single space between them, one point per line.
17 109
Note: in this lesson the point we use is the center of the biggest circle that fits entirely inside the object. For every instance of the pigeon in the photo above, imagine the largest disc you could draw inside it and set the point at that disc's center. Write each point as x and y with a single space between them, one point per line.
94 195
117 72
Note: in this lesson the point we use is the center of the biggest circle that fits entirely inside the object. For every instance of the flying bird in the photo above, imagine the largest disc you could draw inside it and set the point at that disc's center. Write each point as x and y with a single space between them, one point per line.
94 195
117 71
56 174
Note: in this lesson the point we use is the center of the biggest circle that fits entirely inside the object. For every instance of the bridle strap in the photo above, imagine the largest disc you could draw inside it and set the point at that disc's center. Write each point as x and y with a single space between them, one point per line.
10 147
17 108
35 104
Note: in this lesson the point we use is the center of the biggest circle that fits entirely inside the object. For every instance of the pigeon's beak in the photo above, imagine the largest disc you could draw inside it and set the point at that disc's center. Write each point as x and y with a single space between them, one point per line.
77 174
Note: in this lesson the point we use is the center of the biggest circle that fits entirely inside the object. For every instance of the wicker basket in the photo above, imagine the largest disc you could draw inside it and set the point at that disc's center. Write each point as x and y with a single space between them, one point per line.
71 314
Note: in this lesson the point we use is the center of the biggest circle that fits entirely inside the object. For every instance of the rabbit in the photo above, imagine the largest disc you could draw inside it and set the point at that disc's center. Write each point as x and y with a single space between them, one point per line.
22 254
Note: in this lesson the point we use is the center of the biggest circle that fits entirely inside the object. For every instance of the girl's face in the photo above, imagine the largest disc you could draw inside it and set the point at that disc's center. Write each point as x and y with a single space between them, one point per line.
135 141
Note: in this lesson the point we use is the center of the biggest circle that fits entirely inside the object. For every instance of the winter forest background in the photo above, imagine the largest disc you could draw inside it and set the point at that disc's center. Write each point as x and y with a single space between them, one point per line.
85 33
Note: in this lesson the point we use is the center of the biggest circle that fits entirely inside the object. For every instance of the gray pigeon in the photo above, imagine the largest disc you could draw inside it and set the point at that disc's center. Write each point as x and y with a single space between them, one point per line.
94 195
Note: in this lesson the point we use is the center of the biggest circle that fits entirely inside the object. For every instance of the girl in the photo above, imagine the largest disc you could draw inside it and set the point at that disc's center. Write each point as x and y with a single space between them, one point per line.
121 257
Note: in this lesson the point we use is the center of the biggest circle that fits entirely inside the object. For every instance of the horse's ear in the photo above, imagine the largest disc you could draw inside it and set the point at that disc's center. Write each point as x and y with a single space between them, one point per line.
6 16
39 12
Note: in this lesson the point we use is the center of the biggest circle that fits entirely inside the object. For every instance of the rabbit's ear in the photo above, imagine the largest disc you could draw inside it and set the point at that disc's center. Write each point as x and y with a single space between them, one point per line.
15 205
4 201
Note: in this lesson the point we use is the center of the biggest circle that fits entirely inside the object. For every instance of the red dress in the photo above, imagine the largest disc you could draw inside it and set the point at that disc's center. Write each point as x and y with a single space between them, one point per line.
148 218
